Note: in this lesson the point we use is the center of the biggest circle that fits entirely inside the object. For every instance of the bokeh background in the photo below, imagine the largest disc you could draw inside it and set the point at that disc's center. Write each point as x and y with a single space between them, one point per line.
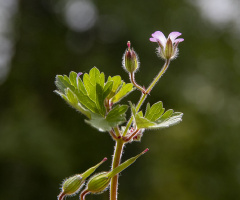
43 140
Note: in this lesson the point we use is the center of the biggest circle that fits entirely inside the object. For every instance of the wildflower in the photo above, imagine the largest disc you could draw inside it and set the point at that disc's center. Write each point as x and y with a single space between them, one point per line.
167 47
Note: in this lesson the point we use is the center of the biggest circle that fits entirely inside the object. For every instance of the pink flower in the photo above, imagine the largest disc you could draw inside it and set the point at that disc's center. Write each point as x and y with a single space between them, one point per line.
167 46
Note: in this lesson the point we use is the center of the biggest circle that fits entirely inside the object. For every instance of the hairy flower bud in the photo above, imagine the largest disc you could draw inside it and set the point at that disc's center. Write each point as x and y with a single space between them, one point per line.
130 59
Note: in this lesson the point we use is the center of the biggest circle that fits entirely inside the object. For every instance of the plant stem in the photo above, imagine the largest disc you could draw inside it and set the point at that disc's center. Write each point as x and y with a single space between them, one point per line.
132 79
116 161
144 96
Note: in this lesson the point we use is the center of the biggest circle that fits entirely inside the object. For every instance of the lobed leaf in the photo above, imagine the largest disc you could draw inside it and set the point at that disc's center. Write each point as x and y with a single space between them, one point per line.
100 99
88 96
124 91
155 111
155 117
115 117
117 81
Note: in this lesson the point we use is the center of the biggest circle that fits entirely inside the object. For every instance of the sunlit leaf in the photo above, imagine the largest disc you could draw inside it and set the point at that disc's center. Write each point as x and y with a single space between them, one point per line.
155 118
100 99
124 91
115 117
155 111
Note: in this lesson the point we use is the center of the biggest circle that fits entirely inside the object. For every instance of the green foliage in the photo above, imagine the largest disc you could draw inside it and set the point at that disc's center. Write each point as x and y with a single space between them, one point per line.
115 117
155 117
93 97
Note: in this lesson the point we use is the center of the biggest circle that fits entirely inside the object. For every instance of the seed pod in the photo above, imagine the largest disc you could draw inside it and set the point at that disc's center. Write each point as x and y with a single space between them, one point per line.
98 183
126 164
73 184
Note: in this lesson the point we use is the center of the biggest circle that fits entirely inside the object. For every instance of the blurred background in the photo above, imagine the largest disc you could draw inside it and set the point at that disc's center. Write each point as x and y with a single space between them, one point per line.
43 140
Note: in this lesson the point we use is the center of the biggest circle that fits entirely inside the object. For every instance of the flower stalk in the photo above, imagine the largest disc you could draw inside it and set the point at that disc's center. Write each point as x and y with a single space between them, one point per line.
144 95
116 161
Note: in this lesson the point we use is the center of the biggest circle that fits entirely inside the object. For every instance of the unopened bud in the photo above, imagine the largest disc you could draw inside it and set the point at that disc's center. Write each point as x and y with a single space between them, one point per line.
130 59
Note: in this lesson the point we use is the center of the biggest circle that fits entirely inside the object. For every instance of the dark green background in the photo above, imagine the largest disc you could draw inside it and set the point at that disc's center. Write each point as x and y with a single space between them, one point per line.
43 140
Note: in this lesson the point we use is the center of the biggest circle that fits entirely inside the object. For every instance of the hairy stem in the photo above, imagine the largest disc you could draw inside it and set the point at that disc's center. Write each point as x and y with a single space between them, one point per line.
116 161
132 79
61 196
144 95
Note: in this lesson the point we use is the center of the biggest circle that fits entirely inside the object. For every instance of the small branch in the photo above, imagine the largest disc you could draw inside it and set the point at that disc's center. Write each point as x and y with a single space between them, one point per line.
83 194
127 139
61 196
113 135
132 79
144 95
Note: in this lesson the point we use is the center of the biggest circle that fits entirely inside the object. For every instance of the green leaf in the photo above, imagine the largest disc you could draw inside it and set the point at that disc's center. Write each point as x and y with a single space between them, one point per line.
115 117
124 91
154 117
86 101
143 122
174 119
107 89
155 111
81 87
90 81
73 78
99 122
166 115
88 96
133 108
63 83
72 100
117 113
117 81
100 99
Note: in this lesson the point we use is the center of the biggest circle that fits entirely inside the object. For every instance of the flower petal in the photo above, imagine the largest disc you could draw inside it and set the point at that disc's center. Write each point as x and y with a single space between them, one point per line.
153 39
174 35
159 36
179 40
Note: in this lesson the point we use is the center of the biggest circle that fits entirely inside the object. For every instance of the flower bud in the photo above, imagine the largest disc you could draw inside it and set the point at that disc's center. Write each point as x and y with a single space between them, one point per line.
130 59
